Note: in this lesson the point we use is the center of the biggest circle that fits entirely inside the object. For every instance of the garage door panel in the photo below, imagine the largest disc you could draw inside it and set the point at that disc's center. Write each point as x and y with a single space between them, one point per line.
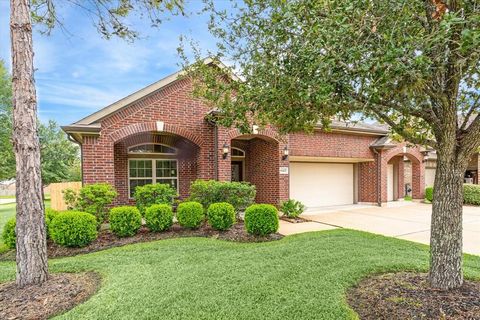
322 184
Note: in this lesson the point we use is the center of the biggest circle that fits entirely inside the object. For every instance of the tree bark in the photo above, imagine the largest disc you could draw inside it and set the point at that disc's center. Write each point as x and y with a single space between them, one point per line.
32 267
446 228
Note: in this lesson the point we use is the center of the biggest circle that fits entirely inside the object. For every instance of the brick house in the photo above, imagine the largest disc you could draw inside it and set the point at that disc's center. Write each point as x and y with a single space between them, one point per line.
160 134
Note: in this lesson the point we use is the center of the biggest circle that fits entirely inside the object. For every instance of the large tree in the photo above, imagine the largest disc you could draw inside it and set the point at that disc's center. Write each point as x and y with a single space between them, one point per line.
411 64
110 17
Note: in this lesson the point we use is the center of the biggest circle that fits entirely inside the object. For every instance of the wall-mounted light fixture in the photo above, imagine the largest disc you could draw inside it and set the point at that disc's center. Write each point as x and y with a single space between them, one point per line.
225 150
285 153
426 155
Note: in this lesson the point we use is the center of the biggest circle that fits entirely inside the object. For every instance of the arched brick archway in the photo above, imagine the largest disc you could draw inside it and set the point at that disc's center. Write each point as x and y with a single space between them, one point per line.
392 172
260 165
158 127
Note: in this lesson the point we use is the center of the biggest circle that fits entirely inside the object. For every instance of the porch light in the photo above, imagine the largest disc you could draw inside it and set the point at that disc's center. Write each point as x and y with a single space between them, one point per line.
225 150
285 153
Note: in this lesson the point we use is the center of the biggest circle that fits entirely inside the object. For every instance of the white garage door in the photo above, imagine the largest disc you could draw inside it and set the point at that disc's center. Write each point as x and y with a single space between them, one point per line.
322 184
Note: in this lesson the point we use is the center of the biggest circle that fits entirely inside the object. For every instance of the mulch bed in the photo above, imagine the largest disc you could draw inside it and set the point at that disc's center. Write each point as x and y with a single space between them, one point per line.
408 296
60 293
106 239
294 220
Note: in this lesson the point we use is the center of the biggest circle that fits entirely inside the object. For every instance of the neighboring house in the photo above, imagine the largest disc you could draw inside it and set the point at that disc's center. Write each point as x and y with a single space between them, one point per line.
471 174
160 134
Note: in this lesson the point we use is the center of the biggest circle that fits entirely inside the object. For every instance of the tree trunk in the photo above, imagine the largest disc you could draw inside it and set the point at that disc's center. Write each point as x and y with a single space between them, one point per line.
31 257
446 229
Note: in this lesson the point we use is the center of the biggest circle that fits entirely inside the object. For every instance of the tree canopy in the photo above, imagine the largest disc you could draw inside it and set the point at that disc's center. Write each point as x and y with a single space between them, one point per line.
304 62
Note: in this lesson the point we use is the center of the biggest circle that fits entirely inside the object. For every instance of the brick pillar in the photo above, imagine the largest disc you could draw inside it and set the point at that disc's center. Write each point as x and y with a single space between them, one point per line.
284 178
418 180
401 178
224 165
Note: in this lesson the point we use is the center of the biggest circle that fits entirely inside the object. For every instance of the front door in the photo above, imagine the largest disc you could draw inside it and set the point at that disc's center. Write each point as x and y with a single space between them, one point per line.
237 171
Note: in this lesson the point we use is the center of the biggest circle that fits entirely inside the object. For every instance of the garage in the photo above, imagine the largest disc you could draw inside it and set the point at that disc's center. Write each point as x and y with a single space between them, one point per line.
322 184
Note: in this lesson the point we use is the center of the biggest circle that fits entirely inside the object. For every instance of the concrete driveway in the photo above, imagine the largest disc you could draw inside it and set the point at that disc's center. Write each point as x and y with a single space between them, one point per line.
410 221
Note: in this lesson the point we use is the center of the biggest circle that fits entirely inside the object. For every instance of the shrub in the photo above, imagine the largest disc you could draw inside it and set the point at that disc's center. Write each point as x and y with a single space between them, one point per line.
9 237
190 214
221 215
239 194
125 221
50 214
73 228
150 194
261 219
471 194
92 198
292 208
429 193
159 217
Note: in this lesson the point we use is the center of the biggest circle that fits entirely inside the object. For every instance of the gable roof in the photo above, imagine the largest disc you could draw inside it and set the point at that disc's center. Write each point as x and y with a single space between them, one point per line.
90 125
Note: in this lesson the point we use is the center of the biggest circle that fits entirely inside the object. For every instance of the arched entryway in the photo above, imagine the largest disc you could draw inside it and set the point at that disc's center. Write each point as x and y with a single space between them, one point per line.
154 157
403 173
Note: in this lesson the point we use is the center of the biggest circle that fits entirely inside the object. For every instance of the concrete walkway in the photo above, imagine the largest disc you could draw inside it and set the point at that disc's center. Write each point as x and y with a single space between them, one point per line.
409 221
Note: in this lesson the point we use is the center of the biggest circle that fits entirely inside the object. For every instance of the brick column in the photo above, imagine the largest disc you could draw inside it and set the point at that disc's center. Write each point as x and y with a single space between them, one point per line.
418 180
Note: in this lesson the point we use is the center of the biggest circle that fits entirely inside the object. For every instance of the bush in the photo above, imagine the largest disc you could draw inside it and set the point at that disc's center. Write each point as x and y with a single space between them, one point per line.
239 194
9 237
159 217
190 214
471 194
50 214
73 228
429 193
221 215
150 194
91 198
125 221
292 208
261 219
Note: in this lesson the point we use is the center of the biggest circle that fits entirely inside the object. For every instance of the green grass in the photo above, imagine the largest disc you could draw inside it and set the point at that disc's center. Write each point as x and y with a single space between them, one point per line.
7 211
7 197
299 277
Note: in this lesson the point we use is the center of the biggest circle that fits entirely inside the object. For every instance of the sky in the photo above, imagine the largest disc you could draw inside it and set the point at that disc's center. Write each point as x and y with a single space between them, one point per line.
78 72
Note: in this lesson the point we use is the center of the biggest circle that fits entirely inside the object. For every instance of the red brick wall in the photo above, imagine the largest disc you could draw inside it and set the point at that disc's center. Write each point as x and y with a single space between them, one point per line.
322 144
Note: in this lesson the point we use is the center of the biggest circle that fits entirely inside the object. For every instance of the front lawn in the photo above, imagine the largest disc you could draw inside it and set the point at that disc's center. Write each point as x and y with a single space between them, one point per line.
299 277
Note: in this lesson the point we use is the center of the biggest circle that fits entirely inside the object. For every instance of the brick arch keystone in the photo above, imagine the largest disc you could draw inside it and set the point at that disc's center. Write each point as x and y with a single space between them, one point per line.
146 127
267 132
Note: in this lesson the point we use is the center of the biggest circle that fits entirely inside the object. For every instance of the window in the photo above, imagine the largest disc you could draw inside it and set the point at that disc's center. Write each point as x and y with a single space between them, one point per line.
147 171
238 153
150 148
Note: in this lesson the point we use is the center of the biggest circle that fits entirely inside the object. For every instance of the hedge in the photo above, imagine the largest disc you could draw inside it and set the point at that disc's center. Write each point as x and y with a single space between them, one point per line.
150 194
125 221
221 216
73 229
239 194
190 214
159 217
261 219
471 194
9 237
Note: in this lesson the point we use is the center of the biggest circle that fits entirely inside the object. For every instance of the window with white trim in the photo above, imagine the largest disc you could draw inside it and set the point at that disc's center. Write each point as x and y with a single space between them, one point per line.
147 171
151 148
236 152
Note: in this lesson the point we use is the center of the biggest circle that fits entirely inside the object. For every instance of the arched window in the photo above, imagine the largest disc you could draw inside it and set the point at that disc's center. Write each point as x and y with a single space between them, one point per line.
151 148
239 153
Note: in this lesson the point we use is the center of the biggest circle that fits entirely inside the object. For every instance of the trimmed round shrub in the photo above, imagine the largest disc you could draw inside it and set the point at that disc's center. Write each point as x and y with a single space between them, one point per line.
49 215
261 219
429 193
73 229
190 214
125 221
221 215
9 237
159 217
